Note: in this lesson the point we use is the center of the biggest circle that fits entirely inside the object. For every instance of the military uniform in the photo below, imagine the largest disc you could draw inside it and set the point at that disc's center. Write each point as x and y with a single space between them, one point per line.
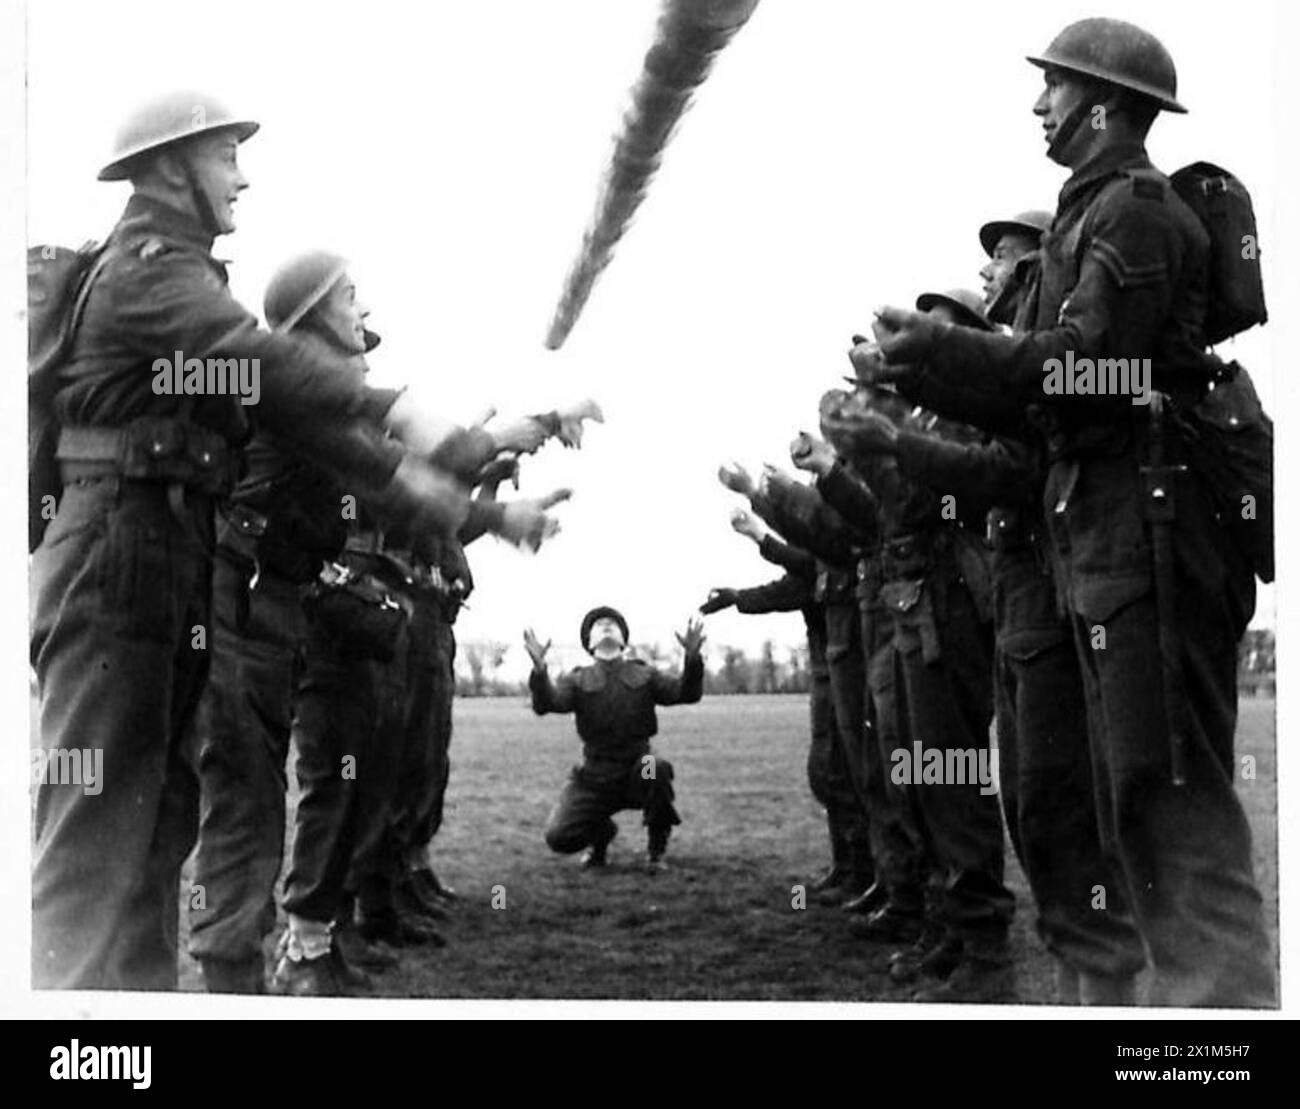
930 682
803 517
1124 275
282 523
122 582
828 772
614 705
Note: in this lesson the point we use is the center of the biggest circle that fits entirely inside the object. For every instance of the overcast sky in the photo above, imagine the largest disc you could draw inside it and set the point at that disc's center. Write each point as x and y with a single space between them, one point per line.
842 156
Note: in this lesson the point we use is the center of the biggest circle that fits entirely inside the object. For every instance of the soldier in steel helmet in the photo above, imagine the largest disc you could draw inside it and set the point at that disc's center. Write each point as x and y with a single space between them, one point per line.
1157 597
613 701
1011 244
1043 762
121 582
828 771
286 519
929 683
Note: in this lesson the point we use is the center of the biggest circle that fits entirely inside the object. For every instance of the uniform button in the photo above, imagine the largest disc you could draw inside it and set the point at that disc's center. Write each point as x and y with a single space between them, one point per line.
1158 493
156 447
1233 421
205 458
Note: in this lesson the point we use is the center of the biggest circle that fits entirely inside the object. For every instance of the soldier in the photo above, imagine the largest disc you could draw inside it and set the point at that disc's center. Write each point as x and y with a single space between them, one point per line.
443 583
1152 585
798 513
121 582
614 702
828 774
930 680
352 699
1009 243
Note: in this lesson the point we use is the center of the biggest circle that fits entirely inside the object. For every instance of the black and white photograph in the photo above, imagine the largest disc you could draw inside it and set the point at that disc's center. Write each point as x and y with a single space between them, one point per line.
684 507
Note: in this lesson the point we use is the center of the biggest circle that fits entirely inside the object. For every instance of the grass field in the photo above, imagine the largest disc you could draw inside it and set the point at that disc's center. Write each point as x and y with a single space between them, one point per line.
718 924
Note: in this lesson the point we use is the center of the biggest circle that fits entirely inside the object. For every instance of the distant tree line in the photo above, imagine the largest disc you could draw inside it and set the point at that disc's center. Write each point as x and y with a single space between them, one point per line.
727 669
730 669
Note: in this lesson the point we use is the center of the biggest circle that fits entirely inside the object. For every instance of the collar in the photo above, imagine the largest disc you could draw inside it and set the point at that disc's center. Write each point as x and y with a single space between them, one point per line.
1105 164
146 215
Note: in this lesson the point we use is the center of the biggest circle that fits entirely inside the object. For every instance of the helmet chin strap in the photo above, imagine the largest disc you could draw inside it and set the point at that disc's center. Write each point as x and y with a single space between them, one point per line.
207 216
1069 127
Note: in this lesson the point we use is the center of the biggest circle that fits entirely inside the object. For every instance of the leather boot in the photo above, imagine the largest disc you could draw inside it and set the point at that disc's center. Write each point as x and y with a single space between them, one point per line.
838 873
233 975
984 976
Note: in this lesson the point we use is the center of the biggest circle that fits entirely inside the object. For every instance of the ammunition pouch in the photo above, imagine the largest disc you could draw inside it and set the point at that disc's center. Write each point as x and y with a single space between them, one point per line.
358 612
149 449
910 602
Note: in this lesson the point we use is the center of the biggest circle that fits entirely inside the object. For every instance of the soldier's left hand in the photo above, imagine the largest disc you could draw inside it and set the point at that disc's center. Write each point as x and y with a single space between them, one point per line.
904 335
810 453
869 430
570 433
693 638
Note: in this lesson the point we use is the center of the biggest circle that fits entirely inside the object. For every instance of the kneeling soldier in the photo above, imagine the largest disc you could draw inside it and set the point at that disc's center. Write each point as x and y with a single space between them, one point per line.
614 701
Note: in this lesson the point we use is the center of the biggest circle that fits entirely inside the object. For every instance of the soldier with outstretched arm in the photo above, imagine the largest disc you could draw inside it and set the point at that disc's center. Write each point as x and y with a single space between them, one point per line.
613 700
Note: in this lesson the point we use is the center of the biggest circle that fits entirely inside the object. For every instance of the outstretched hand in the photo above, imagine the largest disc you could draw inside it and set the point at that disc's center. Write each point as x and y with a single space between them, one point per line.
736 478
870 431
904 335
536 648
693 638
718 600
748 525
571 418
810 453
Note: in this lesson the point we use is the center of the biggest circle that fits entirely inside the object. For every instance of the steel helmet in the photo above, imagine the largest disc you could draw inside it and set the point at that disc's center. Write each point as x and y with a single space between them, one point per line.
1031 224
299 285
968 305
1118 53
165 119
599 613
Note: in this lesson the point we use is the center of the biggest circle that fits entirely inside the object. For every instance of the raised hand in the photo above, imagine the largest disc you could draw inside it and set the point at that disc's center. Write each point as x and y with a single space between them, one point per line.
693 638
904 335
736 478
521 436
525 522
748 525
810 453
718 600
536 648
571 418
869 430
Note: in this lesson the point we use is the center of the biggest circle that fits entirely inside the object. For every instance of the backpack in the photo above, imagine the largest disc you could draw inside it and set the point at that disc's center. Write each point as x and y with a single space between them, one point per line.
1236 281
1231 440
1231 434
58 285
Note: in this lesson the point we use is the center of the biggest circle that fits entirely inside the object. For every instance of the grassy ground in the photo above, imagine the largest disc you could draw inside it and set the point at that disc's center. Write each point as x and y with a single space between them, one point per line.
718 924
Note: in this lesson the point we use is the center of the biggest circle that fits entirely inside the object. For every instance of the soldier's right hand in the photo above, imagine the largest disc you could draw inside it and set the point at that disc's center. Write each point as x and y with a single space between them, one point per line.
736 478
536 648
810 453
525 523
520 436
748 525
718 600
